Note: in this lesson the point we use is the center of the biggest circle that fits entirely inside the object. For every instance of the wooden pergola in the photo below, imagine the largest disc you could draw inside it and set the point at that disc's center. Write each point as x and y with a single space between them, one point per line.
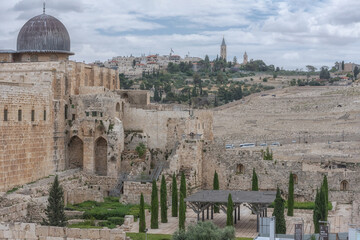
256 201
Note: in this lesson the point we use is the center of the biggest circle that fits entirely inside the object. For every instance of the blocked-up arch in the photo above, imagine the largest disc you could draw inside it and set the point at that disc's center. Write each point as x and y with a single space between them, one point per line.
344 185
295 178
101 156
118 107
76 153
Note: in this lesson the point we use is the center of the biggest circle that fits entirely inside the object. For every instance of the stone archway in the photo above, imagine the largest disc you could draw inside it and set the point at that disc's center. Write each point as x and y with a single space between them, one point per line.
76 153
101 156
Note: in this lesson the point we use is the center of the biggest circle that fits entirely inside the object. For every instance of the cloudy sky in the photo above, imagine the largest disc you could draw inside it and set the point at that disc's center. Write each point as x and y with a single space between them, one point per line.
289 33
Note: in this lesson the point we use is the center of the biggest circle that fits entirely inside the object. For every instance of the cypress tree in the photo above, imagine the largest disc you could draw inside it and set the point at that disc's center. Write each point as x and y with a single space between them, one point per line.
254 185
229 212
323 207
280 227
182 212
183 185
216 187
174 197
291 196
55 209
163 200
154 207
316 212
142 224
326 191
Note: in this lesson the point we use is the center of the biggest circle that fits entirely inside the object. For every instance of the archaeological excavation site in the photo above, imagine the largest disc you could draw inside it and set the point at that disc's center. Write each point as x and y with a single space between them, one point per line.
108 145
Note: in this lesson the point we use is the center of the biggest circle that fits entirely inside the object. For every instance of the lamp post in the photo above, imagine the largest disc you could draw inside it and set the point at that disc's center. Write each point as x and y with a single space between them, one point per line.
146 230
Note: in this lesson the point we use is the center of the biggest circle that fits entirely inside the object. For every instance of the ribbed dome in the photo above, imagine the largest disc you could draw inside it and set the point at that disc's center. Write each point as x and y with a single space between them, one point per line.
43 33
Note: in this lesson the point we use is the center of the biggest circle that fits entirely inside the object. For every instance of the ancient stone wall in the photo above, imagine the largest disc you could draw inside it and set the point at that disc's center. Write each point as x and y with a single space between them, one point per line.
133 190
156 125
26 126
136 98
235 172
34 231
188 158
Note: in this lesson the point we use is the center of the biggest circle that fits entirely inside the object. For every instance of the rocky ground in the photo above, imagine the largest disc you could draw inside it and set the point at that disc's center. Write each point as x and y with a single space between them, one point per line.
317 121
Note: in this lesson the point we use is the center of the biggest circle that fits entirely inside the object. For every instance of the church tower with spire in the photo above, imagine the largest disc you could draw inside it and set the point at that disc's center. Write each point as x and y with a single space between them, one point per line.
245 61
223 49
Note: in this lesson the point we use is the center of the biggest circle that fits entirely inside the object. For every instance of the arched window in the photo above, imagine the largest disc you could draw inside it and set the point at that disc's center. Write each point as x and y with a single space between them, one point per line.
295 178
118 107
344 185
240 169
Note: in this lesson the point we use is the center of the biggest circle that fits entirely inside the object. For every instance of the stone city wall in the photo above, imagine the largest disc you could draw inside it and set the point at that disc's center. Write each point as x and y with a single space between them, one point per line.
156 125
26 136
34 231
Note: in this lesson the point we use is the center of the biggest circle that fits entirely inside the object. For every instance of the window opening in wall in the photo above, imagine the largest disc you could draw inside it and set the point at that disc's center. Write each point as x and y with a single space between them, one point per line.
240 169
87 114
32 115
66 110
5 114
73 117
94 113
19 115
344 186
44 115
295 178
101 114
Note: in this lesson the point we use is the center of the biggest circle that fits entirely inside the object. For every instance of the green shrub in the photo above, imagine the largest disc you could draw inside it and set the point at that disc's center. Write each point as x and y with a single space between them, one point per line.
140 149
116 220
303 205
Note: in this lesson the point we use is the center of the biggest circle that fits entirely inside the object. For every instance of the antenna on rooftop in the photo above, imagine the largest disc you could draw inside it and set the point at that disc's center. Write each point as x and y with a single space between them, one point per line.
44 7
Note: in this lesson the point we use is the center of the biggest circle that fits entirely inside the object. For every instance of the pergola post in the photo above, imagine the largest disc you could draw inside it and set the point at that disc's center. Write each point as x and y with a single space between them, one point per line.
266 212
212 211
198 216
257 222
202 217
235 215
239 212
207 213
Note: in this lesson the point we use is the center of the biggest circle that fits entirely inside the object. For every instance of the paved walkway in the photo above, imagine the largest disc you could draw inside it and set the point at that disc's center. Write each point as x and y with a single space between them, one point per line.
246 227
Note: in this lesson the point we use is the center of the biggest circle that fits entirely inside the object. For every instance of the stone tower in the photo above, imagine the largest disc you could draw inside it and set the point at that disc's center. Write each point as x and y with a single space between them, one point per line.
223 49
245 61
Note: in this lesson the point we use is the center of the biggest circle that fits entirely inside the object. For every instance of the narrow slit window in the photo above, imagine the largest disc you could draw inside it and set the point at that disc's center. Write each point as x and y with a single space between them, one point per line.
5 114
19 115
33 115
44 115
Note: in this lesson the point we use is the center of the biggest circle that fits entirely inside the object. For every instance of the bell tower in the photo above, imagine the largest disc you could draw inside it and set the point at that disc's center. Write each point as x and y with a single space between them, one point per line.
223 49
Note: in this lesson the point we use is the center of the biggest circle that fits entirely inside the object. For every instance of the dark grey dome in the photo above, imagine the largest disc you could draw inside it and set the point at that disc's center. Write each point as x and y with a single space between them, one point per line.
43 33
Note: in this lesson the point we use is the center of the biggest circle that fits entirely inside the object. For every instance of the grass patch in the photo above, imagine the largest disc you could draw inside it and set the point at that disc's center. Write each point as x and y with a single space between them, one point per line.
12 190
303 205
243 238
141 236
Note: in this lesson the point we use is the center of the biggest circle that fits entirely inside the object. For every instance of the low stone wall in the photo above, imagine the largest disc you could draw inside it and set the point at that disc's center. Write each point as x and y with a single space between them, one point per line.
81 195
14 212
133 190
32 231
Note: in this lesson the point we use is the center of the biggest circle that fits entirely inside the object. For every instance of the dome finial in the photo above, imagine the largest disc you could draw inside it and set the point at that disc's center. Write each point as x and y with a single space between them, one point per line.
44 7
